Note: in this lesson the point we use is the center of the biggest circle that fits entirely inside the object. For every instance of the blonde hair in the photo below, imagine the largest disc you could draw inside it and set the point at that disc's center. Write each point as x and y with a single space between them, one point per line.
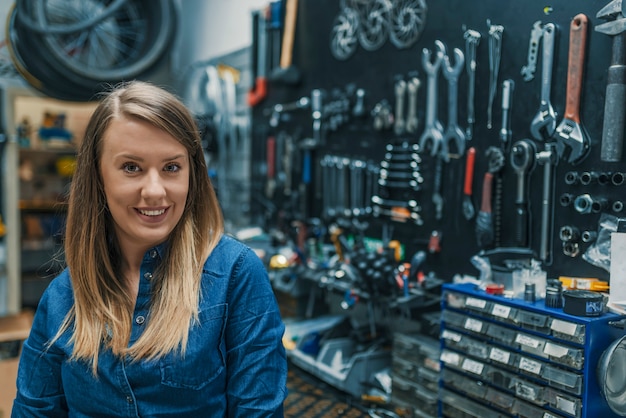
102 312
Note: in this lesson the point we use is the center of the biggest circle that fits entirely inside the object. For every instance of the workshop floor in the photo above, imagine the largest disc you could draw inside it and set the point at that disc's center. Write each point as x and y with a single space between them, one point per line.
311 398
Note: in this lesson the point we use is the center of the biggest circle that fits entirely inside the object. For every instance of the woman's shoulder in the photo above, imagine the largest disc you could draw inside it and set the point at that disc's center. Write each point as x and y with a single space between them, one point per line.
228 252
58 297
61 285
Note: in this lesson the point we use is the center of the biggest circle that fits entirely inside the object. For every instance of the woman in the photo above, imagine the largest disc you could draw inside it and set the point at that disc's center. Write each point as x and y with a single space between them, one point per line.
158 313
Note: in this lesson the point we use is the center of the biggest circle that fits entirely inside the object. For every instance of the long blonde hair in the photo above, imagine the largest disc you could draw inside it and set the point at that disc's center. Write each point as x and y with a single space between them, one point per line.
103 309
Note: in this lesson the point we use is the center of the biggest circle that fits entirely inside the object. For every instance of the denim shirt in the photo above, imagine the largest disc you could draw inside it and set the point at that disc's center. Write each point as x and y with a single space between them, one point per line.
235 364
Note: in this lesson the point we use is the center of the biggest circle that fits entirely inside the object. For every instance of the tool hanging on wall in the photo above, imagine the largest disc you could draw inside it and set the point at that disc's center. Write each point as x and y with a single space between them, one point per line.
572 140
258 92
615 99
495 54
543 124
522 161
528 70
472 39
468 205
287 72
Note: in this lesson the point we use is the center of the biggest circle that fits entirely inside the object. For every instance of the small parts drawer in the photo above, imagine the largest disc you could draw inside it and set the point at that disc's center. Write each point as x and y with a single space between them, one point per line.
513 358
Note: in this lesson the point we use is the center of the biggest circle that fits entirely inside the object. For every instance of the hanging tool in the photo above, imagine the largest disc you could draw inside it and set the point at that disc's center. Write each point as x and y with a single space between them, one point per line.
274 27
270 158
468 205
571 137
615 99
453 132
497 161
472 39
548 158
507 99
543 124
484 221
522 161
433 131
528 70
495 53
399 121
411 117
287 73
259 55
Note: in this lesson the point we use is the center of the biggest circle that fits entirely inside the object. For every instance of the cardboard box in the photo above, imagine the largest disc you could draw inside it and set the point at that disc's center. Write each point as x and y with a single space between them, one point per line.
12 328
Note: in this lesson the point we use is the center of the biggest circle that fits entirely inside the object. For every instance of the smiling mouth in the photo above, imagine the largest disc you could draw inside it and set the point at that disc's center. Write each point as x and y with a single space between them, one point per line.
152 212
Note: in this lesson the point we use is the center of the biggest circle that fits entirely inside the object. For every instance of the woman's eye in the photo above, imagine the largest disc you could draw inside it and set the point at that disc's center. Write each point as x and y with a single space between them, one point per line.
131 167
172 167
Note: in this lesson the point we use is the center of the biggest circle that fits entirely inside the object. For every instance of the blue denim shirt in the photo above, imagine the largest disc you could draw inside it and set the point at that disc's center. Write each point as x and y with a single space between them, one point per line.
235 365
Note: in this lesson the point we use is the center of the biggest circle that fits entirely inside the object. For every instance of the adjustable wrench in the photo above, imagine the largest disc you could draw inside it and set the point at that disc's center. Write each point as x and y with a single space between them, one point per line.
433 129
453 131
523 161
569 134
545 119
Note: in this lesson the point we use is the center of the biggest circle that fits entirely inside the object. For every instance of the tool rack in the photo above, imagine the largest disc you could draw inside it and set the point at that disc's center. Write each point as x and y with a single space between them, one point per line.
507 357
314 139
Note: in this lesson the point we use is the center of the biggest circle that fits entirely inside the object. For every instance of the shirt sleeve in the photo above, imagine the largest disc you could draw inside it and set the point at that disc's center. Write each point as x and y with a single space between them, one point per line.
39 389
256 359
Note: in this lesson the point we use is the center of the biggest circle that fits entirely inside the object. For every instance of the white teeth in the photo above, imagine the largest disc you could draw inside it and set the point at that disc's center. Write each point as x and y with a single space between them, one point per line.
152 212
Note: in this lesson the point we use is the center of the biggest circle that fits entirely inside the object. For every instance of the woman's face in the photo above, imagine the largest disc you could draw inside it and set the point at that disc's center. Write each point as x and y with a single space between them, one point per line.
145 172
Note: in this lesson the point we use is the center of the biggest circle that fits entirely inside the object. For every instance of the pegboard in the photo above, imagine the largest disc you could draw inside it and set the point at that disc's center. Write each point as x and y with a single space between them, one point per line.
377 72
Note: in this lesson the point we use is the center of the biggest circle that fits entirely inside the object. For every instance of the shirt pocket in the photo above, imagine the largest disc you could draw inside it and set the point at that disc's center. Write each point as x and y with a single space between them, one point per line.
205 357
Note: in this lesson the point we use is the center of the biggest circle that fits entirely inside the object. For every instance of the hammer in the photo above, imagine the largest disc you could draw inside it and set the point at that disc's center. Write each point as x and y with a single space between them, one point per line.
287 73
614 118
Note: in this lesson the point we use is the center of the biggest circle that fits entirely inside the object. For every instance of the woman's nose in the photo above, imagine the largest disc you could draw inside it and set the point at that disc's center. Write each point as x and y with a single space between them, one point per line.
153 186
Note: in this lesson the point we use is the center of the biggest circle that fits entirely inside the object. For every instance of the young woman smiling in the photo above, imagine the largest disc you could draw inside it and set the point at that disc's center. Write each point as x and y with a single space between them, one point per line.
158 313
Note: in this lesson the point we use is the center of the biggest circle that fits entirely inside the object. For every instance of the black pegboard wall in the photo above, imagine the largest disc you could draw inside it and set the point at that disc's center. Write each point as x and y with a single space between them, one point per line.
376 72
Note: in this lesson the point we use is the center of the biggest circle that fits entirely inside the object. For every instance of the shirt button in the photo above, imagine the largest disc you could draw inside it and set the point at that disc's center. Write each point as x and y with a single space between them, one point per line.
153 254
140 320
129 399
147 276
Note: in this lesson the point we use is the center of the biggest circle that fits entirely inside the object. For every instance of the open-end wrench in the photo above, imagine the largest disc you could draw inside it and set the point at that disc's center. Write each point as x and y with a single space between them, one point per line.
544 121
453 131
399 123
433 131
522 161
411 118
571 138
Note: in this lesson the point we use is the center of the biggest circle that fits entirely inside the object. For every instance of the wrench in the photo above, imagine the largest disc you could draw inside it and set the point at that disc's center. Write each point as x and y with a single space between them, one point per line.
453 131
472 39
528 70
399 124
433 129
411 117
545 119
523 161
569 134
